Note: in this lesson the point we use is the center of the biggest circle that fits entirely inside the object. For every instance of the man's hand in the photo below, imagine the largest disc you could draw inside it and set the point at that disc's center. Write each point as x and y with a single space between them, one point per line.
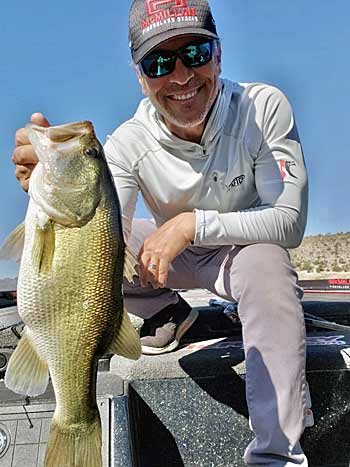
160 248
24 156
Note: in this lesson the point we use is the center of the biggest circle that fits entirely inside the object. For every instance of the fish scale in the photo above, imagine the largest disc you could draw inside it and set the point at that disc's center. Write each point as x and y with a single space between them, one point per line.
70 319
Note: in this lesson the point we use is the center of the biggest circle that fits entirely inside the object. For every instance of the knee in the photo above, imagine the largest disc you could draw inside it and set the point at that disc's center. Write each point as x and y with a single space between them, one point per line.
263 266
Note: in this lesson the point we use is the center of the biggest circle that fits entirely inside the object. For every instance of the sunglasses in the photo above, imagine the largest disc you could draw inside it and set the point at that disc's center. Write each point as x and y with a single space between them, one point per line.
163 62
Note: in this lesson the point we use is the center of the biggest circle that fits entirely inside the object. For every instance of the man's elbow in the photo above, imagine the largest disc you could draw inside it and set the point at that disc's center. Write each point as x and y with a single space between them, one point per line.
294 228
294 240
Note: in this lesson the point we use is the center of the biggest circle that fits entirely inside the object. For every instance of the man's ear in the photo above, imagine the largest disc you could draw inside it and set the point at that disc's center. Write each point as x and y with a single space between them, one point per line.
141 80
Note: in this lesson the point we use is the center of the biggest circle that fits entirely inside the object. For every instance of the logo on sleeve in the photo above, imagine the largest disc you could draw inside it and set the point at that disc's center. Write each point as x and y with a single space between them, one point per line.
286 168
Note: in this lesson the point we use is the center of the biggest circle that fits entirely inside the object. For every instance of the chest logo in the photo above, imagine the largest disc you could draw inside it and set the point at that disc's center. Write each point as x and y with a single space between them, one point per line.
235 182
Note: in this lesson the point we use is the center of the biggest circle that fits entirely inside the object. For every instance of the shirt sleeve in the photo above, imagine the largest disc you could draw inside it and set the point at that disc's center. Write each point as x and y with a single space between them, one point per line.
125 183
280 181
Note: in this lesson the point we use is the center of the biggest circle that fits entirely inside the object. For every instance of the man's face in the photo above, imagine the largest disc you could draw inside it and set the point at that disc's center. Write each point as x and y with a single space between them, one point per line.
185 96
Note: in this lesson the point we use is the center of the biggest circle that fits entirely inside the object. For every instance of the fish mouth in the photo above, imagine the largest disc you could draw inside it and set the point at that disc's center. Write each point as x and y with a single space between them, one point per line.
61 140
67 132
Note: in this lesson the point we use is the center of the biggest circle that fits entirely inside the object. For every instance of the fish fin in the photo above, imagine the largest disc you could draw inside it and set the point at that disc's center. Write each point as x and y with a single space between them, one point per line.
130 262
127 341
27 373
44 247
12 249
75 447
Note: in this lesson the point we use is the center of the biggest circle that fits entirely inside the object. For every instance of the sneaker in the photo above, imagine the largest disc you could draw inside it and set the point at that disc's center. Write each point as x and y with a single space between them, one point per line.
162 333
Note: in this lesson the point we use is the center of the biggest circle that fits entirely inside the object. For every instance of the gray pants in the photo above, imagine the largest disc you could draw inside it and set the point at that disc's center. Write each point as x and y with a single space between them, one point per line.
261 279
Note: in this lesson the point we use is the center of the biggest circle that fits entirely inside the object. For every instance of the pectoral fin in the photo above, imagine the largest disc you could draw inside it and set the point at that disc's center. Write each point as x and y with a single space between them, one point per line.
26 373
127 342
44 247
130 261
13 247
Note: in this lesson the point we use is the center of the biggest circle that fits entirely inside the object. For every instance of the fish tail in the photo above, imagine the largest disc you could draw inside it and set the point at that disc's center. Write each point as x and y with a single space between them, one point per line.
76 447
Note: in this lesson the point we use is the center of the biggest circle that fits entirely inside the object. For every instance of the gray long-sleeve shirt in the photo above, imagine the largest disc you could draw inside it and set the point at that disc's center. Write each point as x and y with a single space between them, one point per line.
246 180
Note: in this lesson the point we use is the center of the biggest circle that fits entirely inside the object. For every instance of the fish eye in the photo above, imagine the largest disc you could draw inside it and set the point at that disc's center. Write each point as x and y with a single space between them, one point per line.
91 152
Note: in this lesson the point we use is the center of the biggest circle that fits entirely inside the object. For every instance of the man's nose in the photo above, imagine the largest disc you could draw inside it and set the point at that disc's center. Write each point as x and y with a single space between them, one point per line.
182 74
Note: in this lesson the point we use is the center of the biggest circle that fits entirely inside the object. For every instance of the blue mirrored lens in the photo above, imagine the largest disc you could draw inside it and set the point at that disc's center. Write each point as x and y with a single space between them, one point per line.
162 63
197 55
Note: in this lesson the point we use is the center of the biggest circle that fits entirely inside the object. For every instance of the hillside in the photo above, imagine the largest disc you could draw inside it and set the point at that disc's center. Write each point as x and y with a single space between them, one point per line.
323 256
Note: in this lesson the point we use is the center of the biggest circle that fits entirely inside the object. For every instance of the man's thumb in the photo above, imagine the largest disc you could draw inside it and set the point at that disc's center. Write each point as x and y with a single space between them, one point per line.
39 119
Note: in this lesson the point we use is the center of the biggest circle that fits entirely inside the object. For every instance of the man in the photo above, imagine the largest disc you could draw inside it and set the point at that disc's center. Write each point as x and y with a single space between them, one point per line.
220 167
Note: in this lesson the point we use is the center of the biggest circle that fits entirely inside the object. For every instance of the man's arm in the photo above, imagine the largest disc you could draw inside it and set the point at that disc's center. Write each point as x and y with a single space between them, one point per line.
280 180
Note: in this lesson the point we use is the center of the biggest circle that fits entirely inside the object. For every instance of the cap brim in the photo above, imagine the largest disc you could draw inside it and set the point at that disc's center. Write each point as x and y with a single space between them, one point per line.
155 41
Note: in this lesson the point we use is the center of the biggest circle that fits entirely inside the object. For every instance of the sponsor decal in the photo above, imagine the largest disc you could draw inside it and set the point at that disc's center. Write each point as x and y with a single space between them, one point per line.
339 283
326 340
162 12
235 182
285 168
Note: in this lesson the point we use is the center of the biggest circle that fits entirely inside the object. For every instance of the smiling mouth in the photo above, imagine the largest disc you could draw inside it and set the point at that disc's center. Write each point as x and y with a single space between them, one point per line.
184 97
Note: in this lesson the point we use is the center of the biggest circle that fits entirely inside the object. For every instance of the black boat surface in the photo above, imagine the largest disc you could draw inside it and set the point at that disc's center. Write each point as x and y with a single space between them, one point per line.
188 408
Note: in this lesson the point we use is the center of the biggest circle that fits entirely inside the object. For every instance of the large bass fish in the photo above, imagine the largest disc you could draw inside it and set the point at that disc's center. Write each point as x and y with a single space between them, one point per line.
70 287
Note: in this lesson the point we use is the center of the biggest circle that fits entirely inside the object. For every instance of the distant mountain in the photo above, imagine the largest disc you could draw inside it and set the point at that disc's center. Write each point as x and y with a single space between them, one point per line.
8 284
323 256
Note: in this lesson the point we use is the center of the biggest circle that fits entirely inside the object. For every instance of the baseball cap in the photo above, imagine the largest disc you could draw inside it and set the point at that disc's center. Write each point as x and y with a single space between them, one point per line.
152 22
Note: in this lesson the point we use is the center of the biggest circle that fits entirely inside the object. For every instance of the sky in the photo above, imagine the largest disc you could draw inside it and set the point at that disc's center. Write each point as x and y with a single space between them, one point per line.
70 60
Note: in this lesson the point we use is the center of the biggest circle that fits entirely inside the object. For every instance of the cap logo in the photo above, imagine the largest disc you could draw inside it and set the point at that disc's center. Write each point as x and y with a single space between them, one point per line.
161 12
153 5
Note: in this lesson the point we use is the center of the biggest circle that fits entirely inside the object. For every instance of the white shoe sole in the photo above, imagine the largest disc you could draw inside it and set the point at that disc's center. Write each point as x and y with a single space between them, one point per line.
180 331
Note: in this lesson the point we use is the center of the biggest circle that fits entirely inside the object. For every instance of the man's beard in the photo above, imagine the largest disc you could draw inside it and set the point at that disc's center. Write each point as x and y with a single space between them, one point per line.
180 120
